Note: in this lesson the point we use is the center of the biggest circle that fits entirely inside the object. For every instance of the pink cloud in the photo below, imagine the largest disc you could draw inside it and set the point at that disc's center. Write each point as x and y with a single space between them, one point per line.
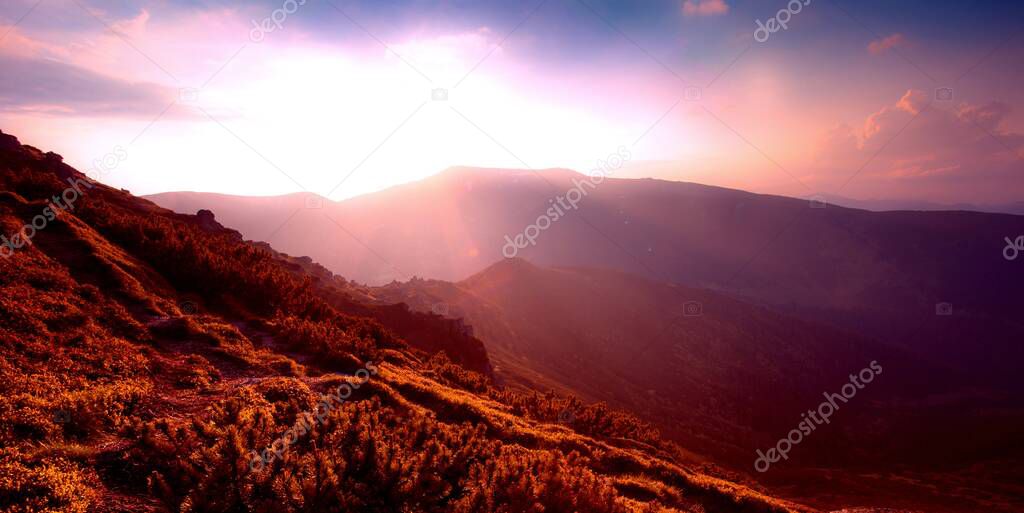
124 72
880 46
54 88
917 143
705 7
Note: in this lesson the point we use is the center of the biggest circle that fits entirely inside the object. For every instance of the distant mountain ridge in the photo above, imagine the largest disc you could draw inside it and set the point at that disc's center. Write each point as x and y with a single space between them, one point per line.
656 348
888 205
151 361
880 274
726 378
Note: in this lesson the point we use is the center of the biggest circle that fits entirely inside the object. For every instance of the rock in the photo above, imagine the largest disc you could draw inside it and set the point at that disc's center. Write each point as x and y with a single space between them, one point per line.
9 142
207 220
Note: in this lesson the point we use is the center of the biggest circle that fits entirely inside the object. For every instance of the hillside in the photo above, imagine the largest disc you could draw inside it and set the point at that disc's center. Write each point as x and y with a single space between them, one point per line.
878 274
149 357
725 378
715 369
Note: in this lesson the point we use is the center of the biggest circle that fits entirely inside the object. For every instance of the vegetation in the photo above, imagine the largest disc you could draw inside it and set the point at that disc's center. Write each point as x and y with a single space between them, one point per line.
116 396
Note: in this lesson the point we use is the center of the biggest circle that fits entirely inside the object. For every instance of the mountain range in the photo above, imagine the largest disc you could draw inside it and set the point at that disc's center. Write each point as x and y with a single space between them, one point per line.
726 378
153 361
884 275
884 205
159 361
717 315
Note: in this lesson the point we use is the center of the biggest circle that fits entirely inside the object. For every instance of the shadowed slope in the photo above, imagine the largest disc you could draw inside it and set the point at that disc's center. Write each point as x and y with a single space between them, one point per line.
149 384
726 379
880 274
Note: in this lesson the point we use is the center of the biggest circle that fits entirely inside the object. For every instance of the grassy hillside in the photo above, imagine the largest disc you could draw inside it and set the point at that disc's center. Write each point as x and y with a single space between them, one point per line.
878 274
727 378
147 359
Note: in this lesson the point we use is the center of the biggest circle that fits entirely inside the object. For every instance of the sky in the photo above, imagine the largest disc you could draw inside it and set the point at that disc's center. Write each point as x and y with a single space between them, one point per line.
869 100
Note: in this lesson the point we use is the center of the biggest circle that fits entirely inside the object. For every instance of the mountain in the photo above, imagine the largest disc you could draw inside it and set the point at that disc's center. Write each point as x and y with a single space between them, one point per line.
883 205
153 361
699 360
883 275
726 379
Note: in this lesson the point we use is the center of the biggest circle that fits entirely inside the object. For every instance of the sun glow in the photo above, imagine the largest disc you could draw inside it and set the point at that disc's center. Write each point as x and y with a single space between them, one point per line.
341 124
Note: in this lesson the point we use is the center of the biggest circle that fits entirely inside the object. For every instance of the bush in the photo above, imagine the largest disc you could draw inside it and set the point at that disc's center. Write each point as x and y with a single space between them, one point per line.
54 485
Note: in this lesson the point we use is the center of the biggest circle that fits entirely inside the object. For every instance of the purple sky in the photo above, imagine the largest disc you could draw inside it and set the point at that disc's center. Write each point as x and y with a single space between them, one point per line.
338 98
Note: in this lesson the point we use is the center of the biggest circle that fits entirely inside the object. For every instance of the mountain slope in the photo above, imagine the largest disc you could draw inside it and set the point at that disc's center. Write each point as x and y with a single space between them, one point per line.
727 379
149 357
883 205
880 274
697 359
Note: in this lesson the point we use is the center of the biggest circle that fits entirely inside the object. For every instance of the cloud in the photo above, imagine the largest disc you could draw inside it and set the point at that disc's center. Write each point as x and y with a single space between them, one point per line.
50 87
880 46
705 7
917 140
